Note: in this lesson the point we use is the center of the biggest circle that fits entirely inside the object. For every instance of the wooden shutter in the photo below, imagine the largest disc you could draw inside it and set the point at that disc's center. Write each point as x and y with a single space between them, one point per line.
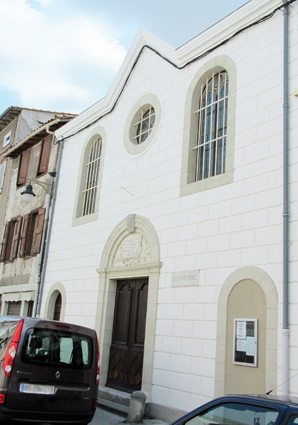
2 173
38 231
16 236
4 241
22 250
23 168
45 155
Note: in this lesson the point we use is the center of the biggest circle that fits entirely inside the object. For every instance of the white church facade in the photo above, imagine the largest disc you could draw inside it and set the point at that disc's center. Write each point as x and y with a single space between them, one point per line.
167 235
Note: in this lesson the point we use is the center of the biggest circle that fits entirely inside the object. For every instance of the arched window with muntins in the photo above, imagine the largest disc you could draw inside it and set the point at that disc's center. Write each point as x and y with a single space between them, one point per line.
57 308
92 170
212 126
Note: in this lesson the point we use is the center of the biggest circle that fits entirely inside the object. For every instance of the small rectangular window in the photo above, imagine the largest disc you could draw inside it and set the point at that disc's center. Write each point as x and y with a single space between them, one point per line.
6 139
14 308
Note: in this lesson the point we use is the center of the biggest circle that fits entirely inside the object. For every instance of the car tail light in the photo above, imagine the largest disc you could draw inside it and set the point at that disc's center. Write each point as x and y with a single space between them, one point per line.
97 367
2 398
95 403
12 349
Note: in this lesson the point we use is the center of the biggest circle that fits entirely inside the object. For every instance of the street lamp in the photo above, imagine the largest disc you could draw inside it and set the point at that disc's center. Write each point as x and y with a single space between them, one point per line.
28 193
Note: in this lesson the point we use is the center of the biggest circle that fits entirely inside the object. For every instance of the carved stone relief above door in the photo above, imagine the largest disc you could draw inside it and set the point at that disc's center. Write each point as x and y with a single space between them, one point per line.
133 250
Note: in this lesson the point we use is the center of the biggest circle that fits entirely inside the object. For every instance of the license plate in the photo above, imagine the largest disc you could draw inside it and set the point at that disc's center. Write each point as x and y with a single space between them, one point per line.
37 389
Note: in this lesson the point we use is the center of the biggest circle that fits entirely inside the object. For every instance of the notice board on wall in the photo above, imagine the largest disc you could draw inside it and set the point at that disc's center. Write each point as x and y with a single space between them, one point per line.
245 342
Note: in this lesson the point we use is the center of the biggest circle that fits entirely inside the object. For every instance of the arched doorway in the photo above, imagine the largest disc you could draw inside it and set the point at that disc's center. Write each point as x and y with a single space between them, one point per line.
131 254
55 302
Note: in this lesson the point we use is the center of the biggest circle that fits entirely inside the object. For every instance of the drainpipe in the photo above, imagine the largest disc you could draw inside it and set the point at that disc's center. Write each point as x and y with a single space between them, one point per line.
47 243
286 332
43 242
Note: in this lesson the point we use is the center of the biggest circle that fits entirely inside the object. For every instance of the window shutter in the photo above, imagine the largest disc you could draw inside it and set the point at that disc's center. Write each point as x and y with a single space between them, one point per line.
16 236
38 231
4 241
2 173
24 235
45 155
23 168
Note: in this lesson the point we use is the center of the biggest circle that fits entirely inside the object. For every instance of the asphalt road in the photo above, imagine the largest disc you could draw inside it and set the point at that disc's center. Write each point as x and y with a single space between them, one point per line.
103 417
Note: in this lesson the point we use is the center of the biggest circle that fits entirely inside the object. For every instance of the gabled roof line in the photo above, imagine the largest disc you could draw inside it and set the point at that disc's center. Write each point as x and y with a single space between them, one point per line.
90 116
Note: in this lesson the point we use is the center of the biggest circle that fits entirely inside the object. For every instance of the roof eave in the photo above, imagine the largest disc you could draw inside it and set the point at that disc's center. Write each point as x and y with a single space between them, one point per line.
35 137
242 17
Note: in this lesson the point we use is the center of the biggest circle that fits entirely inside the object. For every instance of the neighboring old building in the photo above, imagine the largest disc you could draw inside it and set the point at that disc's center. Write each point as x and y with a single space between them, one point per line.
26 154
167 235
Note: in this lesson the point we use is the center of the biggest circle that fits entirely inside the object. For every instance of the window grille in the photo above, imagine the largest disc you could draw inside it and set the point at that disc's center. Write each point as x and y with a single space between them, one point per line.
92 171
212 127
145 125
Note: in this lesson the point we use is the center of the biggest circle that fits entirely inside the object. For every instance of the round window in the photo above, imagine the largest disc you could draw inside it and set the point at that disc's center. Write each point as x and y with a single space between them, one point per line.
145 124
142 124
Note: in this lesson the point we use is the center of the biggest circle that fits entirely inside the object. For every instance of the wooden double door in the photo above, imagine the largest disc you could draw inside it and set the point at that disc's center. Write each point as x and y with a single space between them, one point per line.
127 348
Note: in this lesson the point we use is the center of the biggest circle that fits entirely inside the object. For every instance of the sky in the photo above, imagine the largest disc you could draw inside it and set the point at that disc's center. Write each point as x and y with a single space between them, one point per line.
63 55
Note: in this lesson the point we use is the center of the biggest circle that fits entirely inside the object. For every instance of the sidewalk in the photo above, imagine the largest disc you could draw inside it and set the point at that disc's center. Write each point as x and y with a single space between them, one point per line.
103 417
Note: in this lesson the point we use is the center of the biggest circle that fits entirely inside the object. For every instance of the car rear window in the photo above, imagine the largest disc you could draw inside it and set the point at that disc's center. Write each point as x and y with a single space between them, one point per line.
58 348
235 414
7 329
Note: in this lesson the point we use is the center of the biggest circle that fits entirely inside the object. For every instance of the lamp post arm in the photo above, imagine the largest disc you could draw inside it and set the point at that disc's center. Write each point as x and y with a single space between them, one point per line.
47 187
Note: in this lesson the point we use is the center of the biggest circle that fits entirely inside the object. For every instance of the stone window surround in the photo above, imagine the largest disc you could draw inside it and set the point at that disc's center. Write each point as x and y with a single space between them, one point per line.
146 100
188 185
77 219
51 299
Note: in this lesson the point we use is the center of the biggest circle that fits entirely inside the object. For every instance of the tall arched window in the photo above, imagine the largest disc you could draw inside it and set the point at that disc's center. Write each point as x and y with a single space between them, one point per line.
91 172
209 127
212 126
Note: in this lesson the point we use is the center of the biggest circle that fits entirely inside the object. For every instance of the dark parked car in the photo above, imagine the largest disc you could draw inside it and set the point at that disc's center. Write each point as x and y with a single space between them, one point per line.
244 410
49 371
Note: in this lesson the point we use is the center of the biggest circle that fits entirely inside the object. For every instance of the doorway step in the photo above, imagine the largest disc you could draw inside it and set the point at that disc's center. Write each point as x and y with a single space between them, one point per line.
113 400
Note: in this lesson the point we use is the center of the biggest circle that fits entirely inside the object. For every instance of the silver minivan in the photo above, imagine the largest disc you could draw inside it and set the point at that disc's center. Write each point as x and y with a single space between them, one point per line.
49 371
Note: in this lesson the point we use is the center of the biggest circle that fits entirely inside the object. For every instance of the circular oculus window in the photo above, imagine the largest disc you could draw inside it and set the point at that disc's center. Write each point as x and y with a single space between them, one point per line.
142 124
145 125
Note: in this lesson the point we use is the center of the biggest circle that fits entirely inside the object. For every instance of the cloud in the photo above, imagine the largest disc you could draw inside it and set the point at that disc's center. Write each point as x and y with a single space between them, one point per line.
47 60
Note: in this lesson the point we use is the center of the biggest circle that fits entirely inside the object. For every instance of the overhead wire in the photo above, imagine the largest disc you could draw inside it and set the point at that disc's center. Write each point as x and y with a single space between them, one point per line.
202 55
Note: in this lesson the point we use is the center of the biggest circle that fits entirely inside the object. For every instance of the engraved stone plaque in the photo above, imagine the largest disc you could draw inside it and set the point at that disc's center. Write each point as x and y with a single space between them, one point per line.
131 247
185 278
134 249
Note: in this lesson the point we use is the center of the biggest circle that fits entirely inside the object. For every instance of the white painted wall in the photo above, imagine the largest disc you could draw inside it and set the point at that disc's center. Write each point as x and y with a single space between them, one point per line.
216 231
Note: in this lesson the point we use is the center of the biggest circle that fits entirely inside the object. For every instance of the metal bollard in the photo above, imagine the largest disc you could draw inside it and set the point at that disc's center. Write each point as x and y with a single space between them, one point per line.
136 407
